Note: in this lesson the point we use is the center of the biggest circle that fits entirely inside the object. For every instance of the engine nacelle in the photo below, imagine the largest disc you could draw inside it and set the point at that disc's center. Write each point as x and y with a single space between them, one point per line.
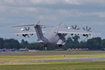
84 34
22 29
68 27
24 35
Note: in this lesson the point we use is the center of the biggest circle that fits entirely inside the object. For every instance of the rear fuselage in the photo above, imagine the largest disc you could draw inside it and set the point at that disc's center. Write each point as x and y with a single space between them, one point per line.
51 37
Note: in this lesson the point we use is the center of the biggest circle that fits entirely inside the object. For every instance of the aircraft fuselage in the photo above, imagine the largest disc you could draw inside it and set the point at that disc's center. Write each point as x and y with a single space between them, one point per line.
51 37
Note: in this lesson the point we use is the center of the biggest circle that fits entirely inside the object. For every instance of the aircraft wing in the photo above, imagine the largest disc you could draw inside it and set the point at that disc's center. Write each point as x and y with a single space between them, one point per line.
72 31
24 32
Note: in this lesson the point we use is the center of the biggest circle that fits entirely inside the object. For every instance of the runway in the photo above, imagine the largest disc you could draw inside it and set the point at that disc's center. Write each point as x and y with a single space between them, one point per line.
57 60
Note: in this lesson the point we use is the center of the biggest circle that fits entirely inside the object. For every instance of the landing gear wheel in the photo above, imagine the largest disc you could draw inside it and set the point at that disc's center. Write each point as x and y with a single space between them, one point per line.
60 45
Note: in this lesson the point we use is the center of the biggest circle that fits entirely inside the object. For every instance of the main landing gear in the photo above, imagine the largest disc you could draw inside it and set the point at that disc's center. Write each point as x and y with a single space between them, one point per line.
60 46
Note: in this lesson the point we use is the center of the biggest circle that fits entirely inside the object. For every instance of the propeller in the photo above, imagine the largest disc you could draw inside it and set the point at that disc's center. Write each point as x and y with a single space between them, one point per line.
26 29
75 28
88 30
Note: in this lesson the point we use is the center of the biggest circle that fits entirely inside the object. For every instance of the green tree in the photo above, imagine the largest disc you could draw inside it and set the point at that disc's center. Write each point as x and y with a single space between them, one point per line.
75 39
103 43
11 43
1 43
94 43
83 44
24 44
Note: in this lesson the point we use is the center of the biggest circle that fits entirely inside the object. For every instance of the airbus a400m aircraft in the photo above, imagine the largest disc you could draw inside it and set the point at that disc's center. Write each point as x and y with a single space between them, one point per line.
54 35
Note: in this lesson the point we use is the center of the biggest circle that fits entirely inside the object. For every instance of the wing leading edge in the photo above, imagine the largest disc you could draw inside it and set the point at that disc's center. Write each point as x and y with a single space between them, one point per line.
71 31
26 32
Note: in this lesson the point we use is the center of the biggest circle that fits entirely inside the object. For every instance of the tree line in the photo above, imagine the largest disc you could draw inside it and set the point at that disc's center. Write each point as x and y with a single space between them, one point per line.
72 42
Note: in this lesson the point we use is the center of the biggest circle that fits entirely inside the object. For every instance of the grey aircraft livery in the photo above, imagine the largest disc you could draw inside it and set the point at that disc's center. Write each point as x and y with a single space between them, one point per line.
55 35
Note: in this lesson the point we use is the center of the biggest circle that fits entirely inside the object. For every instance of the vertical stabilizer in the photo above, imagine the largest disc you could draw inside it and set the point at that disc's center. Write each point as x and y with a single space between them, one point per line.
38 31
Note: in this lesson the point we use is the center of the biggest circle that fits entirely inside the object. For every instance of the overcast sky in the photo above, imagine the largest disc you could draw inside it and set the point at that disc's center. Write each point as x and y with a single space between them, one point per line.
70 12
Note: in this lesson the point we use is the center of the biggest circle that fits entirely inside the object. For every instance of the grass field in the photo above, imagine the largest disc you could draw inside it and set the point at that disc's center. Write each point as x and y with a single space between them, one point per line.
75 65
19 56
70 65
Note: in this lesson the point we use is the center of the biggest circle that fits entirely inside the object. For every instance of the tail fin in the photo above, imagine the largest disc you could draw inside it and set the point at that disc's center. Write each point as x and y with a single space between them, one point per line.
38 31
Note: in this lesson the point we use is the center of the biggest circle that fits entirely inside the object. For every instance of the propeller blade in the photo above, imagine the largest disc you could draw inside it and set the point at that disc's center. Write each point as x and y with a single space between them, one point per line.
75 26
28 36
83 28
28 28
86 27
90 35
72 26
78 28
89 29
25 28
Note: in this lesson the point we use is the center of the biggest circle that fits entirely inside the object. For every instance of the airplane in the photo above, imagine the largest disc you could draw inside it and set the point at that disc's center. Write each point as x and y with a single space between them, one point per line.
54 35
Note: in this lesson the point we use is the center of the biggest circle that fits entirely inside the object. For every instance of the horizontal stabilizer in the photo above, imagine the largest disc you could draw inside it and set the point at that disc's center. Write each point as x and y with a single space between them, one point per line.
23 25
38 23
